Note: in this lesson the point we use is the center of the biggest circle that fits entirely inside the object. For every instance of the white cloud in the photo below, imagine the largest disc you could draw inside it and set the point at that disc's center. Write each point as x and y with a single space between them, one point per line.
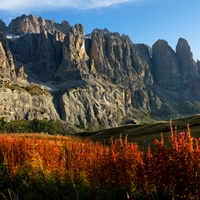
31 5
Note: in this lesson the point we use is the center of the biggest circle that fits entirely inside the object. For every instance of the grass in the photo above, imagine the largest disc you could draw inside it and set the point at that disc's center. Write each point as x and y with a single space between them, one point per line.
144 134
35 125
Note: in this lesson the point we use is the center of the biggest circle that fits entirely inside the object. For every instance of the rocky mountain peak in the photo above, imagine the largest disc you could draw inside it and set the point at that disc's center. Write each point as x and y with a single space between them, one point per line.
183 49
64 27
188 65
101 31
165 64
23 25
3 26
74 57
31 24
93 80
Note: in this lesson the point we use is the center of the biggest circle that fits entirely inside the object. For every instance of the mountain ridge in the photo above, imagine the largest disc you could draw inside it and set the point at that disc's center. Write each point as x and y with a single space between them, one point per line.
94 80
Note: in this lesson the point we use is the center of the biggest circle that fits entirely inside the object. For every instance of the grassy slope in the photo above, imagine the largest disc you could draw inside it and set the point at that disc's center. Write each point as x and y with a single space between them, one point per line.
143 134
146 133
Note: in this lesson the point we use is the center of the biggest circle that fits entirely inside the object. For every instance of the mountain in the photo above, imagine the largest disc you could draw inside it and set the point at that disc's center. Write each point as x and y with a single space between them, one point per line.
53 71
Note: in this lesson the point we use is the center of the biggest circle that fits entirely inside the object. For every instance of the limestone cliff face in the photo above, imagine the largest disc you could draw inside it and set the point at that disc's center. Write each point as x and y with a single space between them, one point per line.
94 106
188 65
118 60
94 80
166 68
7 67
40 53
74 58
19 104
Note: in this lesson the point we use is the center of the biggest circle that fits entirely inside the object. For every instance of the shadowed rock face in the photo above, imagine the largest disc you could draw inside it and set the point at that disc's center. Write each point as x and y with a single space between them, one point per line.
7 67
188 65
165 64
2 26
118 60
198 66
41 54
94 80
74 57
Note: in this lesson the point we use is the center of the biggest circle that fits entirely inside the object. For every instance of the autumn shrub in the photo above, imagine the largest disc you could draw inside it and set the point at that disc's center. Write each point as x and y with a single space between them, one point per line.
70 168
171 171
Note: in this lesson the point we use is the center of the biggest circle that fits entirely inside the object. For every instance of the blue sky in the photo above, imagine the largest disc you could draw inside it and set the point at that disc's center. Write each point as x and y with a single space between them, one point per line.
145 21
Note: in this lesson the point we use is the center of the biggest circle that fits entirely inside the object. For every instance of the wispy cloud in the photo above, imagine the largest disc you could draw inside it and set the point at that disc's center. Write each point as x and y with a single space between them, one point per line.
31 5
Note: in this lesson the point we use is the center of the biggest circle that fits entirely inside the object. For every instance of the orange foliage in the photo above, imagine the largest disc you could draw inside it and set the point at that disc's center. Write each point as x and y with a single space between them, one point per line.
173 169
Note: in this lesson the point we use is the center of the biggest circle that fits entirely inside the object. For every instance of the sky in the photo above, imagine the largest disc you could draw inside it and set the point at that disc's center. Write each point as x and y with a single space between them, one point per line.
144 21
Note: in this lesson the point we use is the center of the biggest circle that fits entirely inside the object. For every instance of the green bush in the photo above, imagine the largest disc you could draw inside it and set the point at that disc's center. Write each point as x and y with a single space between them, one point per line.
33 126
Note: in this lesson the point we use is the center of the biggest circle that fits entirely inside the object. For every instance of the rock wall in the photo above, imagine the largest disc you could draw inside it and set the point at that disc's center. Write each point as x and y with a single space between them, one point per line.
19 104
7 67
95 80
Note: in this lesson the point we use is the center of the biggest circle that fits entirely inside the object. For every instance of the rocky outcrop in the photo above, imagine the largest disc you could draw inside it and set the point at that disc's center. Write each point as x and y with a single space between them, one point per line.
74 58
188 65
7 67
19 104
198 66
31 24
3 26
166 69
93 106
64 27
101 79
41 54
118 60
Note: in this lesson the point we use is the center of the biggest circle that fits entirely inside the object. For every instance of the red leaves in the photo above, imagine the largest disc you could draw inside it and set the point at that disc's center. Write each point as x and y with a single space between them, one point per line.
120 166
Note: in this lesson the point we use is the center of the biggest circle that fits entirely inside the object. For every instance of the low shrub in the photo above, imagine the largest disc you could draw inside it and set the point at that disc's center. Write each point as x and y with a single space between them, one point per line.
63 168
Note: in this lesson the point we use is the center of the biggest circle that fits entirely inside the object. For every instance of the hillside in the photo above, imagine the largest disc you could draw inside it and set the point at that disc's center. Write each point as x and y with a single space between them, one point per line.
145 133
